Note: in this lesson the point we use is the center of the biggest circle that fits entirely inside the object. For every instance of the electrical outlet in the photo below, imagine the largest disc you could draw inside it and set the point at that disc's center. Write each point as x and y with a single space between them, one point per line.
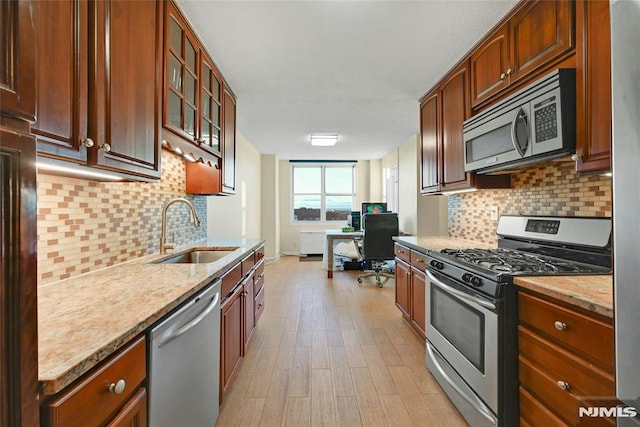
494 213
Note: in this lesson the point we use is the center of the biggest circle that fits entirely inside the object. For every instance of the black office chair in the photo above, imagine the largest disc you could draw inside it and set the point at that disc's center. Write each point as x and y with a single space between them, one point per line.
377 244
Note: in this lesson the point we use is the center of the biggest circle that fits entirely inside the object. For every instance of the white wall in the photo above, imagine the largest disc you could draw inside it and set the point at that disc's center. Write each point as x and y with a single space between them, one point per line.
239 215
270 205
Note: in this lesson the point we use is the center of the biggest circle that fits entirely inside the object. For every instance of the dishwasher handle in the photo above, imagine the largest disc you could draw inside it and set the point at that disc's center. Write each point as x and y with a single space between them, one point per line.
166 340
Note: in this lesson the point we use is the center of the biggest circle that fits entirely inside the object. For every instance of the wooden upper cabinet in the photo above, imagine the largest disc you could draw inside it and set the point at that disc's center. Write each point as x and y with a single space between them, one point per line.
489 65
98 79
538 35
456 108
540 32
229 143
210 106
17 60
181 79
593 91
429 143
126 89
62 79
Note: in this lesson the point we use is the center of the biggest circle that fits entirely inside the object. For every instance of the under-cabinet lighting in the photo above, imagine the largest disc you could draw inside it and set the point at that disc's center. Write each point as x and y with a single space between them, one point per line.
74 171
189 157
324 139
468 190
608 174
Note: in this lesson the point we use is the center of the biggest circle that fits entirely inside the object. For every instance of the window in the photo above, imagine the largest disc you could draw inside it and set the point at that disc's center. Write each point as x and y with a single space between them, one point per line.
322 191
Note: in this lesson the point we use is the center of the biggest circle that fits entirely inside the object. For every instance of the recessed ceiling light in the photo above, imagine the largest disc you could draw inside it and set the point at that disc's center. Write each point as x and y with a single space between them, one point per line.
324 139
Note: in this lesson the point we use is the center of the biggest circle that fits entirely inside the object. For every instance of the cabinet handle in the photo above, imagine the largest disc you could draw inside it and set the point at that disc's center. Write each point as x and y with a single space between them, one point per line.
561 326
259 306
105 147
88 142
563 385
503 76
509 71
576 157
117 388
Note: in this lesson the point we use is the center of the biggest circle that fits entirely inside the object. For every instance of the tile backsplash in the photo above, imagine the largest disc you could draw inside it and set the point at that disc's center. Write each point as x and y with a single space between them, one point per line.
553 189
86 225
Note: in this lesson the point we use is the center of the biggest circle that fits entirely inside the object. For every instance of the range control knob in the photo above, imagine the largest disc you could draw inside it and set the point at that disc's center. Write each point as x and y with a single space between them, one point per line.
436 264
476 281
466 277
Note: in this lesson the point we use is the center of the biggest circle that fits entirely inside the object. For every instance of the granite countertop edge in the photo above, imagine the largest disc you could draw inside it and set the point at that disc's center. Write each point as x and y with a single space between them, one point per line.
77 327
592 293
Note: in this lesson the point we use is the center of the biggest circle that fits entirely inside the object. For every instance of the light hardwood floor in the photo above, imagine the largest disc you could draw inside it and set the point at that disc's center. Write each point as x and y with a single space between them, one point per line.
333 352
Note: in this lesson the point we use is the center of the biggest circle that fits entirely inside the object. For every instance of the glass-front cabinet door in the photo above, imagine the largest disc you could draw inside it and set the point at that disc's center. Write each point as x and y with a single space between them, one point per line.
182 78
210 107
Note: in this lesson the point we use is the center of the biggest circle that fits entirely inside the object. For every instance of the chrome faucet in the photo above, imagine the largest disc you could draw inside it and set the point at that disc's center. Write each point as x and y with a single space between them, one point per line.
163 238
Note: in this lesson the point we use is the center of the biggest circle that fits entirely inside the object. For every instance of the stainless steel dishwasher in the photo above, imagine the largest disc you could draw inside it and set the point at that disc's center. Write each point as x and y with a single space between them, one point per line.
184 359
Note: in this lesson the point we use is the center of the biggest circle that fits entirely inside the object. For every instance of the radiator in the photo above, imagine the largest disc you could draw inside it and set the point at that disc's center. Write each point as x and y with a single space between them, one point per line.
311 242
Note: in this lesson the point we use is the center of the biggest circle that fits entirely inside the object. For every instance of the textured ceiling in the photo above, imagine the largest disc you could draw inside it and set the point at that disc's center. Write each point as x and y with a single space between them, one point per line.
357 68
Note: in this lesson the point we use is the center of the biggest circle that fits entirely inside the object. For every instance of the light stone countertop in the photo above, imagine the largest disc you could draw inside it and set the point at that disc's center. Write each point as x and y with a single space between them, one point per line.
84 319
425 244
593 293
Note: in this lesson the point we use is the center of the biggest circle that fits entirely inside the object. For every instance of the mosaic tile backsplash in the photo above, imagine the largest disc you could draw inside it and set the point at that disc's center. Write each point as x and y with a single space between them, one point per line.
554 189
86 225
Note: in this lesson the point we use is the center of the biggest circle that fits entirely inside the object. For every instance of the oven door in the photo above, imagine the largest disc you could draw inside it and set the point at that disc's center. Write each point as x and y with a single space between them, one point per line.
462 328
500 139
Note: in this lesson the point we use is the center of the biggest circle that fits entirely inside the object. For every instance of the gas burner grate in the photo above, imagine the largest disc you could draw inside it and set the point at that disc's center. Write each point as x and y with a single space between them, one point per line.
516 262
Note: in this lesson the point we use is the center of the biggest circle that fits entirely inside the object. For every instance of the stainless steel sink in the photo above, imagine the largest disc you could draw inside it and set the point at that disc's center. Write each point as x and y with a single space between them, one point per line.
198 256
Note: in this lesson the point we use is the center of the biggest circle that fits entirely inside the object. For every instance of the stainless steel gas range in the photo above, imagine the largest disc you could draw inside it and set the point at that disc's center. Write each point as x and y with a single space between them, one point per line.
472 306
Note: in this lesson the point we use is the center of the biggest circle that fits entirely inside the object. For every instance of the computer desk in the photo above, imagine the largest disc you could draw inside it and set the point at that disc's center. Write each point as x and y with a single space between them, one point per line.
331 237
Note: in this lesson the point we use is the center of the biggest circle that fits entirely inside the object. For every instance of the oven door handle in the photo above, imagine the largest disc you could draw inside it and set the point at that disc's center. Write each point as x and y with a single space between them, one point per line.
460 294
477 405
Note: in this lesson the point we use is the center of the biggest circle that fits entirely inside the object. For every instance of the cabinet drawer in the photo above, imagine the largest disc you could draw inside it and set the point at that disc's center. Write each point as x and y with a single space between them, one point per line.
230 279
418 260
584 379
259 305
90 402
568 328
402 252
260 268
560 402
259 254
534 413
247 263
258 283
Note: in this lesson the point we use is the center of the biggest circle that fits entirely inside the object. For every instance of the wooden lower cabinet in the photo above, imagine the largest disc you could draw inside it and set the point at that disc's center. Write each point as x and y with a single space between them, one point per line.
403 287
410 287
418 282
134 412
565 360
239 314
248 309
96 401
231 338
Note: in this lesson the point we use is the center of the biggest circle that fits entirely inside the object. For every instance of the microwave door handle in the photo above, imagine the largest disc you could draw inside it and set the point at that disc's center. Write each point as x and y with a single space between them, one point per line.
460 294
514 136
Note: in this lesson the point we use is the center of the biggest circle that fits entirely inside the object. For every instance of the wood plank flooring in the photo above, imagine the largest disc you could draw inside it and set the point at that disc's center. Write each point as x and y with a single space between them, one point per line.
332 352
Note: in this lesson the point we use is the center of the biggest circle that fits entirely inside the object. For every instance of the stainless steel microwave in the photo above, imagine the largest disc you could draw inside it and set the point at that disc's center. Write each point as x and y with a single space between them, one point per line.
536 123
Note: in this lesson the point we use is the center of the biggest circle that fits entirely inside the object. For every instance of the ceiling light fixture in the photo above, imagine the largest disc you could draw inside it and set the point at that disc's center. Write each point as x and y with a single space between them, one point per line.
324 139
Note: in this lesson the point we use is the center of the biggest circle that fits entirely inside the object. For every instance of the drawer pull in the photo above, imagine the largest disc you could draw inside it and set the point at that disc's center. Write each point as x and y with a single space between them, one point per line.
563 385
117 388
561 326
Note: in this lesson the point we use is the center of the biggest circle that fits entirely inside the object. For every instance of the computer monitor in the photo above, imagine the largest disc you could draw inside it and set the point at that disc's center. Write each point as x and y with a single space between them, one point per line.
374 207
